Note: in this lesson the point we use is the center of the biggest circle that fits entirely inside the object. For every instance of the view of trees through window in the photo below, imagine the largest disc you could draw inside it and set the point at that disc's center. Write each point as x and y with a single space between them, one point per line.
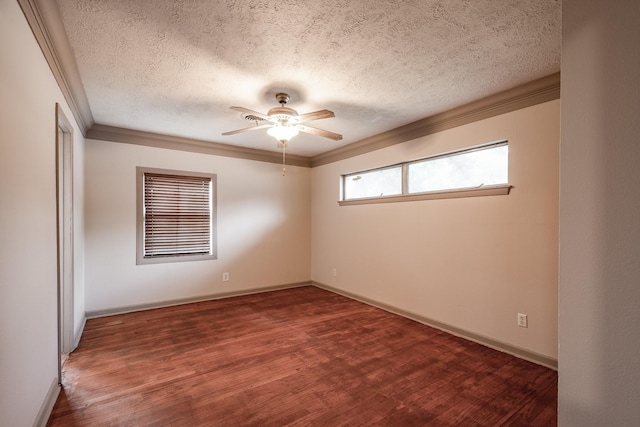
377 183
468 169
475 167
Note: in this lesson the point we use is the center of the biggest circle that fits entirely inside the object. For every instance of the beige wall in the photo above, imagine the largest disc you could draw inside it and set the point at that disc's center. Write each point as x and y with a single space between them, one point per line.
28 307
263 221
396 254
470 263
392 253
599 273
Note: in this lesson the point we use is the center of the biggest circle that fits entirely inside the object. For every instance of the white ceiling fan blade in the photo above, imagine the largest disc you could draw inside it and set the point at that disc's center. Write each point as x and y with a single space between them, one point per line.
233 132
320 132
250 112
316 115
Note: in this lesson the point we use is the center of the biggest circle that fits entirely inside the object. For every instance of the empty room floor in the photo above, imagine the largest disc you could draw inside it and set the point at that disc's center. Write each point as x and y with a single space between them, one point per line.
295 357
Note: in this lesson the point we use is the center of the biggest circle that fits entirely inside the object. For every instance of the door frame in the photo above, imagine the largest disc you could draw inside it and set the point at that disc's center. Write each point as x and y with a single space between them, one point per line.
65 235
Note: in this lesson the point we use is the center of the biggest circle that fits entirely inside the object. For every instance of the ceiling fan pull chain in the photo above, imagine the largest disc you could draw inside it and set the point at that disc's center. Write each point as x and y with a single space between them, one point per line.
284 170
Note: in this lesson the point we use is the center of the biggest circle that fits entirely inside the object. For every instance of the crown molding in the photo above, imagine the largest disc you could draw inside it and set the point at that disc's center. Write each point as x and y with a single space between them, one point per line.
150 139
526 95
44 19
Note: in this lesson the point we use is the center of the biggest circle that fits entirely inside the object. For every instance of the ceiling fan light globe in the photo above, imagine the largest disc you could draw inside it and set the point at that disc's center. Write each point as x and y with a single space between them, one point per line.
282 133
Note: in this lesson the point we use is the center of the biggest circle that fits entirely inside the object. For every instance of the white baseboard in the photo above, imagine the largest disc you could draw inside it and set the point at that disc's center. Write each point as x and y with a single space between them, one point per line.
480 339
78 332
47 405
486 341
140 307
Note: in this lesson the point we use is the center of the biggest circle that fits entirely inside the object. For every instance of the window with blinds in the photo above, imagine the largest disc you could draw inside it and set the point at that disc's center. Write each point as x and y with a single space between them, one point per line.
176 216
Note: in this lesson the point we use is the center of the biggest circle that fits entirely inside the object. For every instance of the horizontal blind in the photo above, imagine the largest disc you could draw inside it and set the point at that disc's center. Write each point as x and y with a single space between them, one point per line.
177 215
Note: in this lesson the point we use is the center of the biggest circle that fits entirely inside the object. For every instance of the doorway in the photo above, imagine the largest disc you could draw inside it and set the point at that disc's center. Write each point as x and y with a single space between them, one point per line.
64 215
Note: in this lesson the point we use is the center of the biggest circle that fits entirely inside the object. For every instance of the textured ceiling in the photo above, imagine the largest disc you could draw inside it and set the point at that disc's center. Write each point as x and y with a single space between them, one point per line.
175 67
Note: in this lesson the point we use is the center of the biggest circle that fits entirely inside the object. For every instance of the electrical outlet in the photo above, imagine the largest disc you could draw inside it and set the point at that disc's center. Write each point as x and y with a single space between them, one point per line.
334 272
522 320
225 277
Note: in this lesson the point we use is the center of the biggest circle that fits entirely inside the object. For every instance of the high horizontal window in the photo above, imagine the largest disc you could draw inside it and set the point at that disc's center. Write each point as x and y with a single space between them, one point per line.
176 216
465 169
454 174
375 183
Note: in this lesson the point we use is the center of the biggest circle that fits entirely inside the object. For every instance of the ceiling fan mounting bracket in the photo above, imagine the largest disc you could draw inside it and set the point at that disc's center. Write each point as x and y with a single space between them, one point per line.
282 98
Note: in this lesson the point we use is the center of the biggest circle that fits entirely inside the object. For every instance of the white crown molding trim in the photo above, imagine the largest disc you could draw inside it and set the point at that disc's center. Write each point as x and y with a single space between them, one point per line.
526 95
480 339
150 139
44 19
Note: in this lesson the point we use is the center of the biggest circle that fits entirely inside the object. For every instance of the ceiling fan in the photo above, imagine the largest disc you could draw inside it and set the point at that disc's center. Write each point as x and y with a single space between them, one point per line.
283 123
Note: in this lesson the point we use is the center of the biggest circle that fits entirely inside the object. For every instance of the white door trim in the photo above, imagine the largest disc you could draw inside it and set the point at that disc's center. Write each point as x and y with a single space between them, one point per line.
64 223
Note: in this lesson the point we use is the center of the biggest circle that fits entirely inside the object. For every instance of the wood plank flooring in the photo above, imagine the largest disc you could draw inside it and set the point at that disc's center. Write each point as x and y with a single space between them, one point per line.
296 357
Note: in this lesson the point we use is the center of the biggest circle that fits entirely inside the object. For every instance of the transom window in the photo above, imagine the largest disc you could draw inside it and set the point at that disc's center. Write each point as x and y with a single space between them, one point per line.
458 173
176 216
374 183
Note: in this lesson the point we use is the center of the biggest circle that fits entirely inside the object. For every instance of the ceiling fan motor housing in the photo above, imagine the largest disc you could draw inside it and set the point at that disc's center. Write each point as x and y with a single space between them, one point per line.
280 113
283 115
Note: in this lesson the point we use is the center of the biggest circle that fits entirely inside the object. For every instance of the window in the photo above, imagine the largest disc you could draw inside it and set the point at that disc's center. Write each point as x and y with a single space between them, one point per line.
176 216
475 171
466 169
376 183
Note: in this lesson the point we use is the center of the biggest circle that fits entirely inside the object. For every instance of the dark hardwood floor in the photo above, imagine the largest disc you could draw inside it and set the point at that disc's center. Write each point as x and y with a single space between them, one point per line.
296 357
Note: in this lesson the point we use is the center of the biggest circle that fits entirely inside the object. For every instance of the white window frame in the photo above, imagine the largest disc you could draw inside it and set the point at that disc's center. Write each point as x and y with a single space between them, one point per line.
484 190
141 258
384 168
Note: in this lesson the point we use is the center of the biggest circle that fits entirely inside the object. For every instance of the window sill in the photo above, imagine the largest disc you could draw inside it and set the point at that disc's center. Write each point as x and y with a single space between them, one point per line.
490 190
173 258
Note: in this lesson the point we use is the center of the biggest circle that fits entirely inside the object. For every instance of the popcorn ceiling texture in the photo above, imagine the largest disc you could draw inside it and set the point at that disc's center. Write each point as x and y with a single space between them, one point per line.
175 67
